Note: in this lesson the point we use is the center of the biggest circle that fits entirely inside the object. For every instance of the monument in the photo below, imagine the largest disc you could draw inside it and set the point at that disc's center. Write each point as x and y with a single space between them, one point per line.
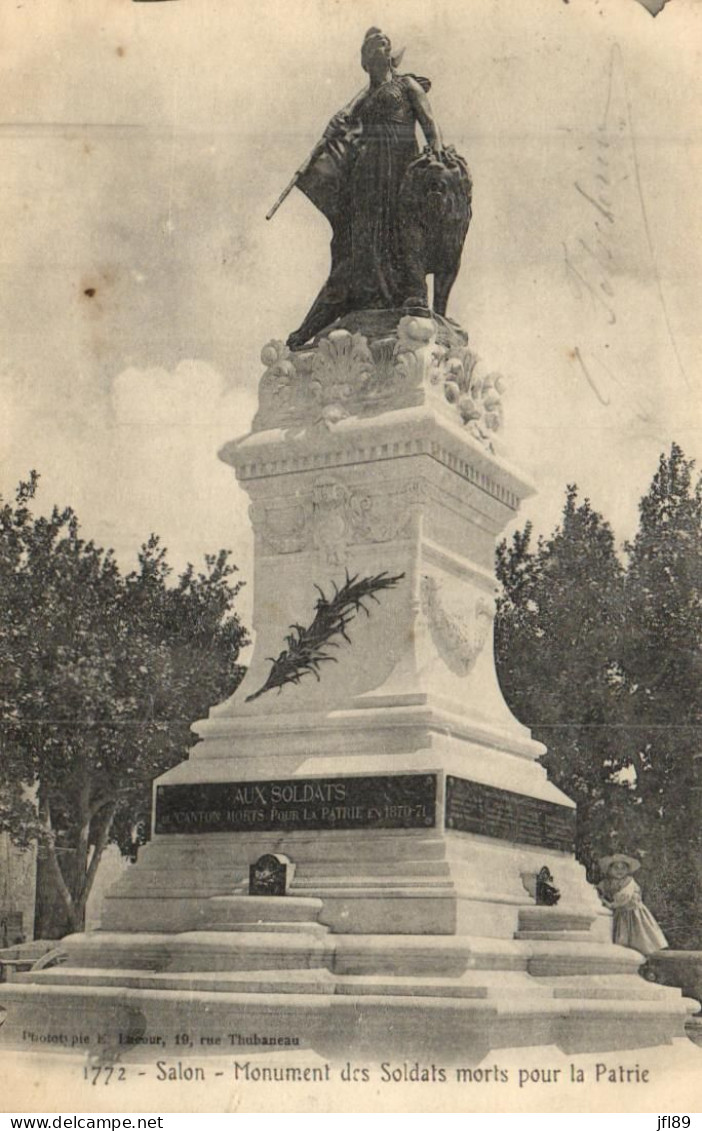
363 855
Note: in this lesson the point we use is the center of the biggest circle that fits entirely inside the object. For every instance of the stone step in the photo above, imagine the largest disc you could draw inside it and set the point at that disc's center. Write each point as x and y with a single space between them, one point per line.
316 981
192 880
424 955
159 886
199 951
554 919
397 881
269 981
155 884
275 927
492 985
213 913
562 957
401 887
478 984
390 955
452 1029
173 851
562 936
604 986
242 909
473 984
373 867
450 956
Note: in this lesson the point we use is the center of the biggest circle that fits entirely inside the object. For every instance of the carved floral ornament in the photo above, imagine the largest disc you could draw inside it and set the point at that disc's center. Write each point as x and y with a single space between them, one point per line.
459 626
345 375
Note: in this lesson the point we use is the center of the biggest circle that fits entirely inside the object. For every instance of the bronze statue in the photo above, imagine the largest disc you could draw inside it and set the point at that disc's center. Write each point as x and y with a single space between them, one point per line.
396 215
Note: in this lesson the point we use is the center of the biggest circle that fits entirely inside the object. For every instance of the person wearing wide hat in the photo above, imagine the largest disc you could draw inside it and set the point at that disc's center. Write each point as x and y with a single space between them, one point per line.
633 924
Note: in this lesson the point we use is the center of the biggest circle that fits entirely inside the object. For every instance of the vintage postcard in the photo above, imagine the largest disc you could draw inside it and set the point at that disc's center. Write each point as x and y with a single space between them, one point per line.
350 556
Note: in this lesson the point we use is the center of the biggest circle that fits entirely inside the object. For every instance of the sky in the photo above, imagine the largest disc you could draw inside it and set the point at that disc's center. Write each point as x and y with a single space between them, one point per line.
141 146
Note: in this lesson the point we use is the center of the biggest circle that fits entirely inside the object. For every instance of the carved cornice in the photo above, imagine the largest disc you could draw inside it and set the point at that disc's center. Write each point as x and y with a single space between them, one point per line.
290 457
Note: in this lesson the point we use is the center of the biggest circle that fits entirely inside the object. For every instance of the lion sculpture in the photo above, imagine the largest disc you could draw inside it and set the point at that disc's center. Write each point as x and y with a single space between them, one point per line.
435 212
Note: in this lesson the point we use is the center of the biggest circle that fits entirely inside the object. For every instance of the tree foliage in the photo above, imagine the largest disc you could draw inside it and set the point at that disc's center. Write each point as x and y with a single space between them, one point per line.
662 658
558 619
602 657
101 676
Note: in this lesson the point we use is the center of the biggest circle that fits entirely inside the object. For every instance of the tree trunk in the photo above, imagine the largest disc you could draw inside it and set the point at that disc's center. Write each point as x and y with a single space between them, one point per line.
65 887
108 814
54 868
51 919
80 857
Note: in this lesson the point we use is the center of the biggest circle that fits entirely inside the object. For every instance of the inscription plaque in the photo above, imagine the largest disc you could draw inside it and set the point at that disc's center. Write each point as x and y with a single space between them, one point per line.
475 808
394 801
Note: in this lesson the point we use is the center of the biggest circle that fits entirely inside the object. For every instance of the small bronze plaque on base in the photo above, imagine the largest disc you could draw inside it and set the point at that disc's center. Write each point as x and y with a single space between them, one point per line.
269 875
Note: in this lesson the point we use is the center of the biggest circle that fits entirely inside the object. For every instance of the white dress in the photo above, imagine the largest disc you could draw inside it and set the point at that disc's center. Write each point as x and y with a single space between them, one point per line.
634 925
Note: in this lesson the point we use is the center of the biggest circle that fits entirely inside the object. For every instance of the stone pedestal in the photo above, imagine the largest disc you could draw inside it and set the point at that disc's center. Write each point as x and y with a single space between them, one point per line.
367 460
408 800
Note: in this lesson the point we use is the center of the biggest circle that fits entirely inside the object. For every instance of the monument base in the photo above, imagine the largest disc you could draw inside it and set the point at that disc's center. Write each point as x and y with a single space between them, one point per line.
417 942
290 984
395 800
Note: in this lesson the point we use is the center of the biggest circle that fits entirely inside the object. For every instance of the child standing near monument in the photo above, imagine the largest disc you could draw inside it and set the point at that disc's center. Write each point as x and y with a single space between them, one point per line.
633 925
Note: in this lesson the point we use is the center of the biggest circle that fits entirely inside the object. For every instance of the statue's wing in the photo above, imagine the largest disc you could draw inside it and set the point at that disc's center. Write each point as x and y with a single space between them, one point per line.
424 83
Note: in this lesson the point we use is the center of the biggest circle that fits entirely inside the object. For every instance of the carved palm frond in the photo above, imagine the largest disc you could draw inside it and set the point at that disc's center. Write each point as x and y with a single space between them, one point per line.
307 648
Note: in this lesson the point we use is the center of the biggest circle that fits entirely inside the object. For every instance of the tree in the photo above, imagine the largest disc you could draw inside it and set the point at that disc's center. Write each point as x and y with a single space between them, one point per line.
662 662
101 677
558 626
603 661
